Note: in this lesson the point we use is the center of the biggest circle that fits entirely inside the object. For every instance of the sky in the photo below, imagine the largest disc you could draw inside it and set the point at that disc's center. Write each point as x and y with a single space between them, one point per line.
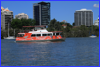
60 10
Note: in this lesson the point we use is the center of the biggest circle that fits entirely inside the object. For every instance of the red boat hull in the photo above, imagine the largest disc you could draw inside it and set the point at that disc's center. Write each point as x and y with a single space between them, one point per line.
62 39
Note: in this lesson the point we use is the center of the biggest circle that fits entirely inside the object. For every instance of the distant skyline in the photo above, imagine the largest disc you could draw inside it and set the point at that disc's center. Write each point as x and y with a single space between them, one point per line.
60 10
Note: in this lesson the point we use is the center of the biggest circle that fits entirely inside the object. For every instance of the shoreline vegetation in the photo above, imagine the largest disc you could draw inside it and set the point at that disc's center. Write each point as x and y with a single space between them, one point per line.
67 31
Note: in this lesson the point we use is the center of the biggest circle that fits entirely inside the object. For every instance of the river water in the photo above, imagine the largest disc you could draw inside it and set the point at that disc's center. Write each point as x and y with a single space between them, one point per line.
71 52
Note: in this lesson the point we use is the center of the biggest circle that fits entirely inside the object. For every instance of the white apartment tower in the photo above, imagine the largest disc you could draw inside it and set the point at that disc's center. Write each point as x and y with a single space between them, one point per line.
83 17
21 15
6 18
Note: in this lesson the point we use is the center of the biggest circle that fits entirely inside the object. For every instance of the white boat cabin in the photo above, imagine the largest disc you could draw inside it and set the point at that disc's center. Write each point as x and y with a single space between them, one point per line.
38 31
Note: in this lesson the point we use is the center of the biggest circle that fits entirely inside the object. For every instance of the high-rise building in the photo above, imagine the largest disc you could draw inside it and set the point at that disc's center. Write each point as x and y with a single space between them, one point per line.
41 13
83 17
6 18
21 15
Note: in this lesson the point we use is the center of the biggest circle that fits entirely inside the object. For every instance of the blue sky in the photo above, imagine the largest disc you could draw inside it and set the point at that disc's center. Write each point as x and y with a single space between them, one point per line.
60 10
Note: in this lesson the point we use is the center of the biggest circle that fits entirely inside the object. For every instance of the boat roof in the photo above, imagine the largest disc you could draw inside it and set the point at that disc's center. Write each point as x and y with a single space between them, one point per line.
37 33
41 32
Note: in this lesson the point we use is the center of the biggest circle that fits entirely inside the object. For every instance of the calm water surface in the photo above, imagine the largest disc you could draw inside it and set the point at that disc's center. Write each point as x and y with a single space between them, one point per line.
71 52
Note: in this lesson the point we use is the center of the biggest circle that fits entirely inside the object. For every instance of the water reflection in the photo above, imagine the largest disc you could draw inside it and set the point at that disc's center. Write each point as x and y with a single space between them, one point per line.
37 54
39 42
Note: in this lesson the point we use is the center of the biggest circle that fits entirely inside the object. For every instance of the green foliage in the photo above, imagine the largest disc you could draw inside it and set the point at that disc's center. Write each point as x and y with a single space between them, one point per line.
61 23
54 25
69 31
11 32
83 27
3 34
18 23
14 23
73 24
68 25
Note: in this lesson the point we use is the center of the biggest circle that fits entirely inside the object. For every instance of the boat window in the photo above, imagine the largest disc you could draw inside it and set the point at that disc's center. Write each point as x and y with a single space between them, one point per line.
38 34
44 34
20 35
33 35
57 33
53 33
49 34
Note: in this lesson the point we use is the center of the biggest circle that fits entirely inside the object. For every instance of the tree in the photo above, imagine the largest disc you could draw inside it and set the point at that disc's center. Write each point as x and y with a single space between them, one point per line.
32 22
19 23
16 23
73 24
68 25
57 26
61 23
51 26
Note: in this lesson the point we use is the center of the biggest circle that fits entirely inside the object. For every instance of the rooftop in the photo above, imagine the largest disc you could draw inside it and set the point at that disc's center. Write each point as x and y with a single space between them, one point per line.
6 9
83 10
43 2
64 25
22 14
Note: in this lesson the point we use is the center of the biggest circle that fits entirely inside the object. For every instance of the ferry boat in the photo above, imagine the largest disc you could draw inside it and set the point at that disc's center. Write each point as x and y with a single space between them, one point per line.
39 34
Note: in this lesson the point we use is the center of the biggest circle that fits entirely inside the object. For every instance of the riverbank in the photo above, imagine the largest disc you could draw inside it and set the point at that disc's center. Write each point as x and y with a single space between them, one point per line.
70 34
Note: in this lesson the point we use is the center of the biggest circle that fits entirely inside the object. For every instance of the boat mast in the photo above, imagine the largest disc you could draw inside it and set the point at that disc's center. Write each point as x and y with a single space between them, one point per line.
14 32
8 29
